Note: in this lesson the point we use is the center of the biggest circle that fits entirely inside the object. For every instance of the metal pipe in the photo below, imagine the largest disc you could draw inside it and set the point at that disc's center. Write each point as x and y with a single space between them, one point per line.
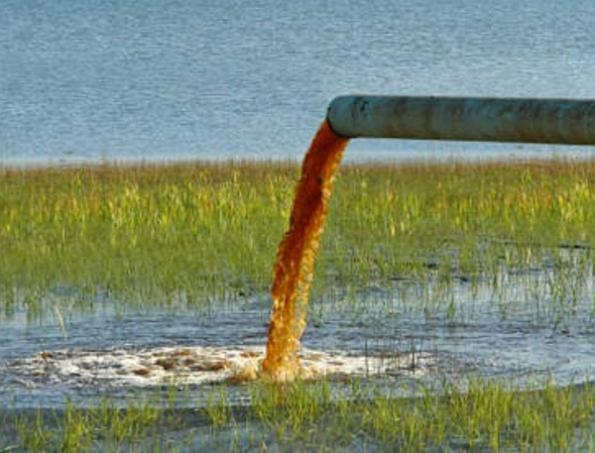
563 121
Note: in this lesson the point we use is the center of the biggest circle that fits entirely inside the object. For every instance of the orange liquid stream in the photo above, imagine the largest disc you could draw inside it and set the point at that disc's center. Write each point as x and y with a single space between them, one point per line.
296 254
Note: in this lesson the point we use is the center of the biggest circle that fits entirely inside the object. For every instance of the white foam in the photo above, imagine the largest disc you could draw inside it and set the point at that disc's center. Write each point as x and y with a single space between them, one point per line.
200 365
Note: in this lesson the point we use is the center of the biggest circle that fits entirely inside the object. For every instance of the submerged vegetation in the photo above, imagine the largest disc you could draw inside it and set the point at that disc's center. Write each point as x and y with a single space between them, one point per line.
199 234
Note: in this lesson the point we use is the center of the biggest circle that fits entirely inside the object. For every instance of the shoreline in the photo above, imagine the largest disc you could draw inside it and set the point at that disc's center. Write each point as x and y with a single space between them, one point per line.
437 161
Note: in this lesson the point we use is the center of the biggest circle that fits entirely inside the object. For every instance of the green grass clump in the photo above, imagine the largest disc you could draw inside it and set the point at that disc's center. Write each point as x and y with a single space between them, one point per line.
484 416
200 233
74 429
183 232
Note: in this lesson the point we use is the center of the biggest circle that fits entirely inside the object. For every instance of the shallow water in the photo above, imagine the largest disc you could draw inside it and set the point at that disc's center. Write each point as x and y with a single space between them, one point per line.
171 79
522 328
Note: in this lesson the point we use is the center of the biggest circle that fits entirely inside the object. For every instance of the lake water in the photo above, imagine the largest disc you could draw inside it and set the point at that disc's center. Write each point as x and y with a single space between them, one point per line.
170 79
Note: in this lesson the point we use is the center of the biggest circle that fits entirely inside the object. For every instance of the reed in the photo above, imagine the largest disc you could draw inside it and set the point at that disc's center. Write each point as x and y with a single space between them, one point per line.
201 235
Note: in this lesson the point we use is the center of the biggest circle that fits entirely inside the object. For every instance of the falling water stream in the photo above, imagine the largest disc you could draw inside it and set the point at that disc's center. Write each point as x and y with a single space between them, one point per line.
297 252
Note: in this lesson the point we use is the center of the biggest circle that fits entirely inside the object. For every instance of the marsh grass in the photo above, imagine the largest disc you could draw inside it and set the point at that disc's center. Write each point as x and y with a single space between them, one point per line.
485 415
75 429
203 235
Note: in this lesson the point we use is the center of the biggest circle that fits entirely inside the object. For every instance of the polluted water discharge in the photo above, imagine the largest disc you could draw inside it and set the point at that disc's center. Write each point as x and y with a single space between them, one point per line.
516 325
282 360
295 258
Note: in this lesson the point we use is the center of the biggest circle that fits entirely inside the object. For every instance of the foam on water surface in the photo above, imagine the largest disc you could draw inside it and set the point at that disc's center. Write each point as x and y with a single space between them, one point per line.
199 365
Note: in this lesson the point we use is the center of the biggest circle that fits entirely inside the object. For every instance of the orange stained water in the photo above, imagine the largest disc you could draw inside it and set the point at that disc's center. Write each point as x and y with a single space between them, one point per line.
296 254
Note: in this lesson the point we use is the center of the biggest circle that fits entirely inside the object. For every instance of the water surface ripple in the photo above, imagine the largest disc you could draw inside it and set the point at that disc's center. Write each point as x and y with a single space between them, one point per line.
169 79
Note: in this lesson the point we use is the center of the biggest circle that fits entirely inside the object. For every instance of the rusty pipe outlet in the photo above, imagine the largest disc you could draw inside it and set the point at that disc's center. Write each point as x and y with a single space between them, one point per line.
563 121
